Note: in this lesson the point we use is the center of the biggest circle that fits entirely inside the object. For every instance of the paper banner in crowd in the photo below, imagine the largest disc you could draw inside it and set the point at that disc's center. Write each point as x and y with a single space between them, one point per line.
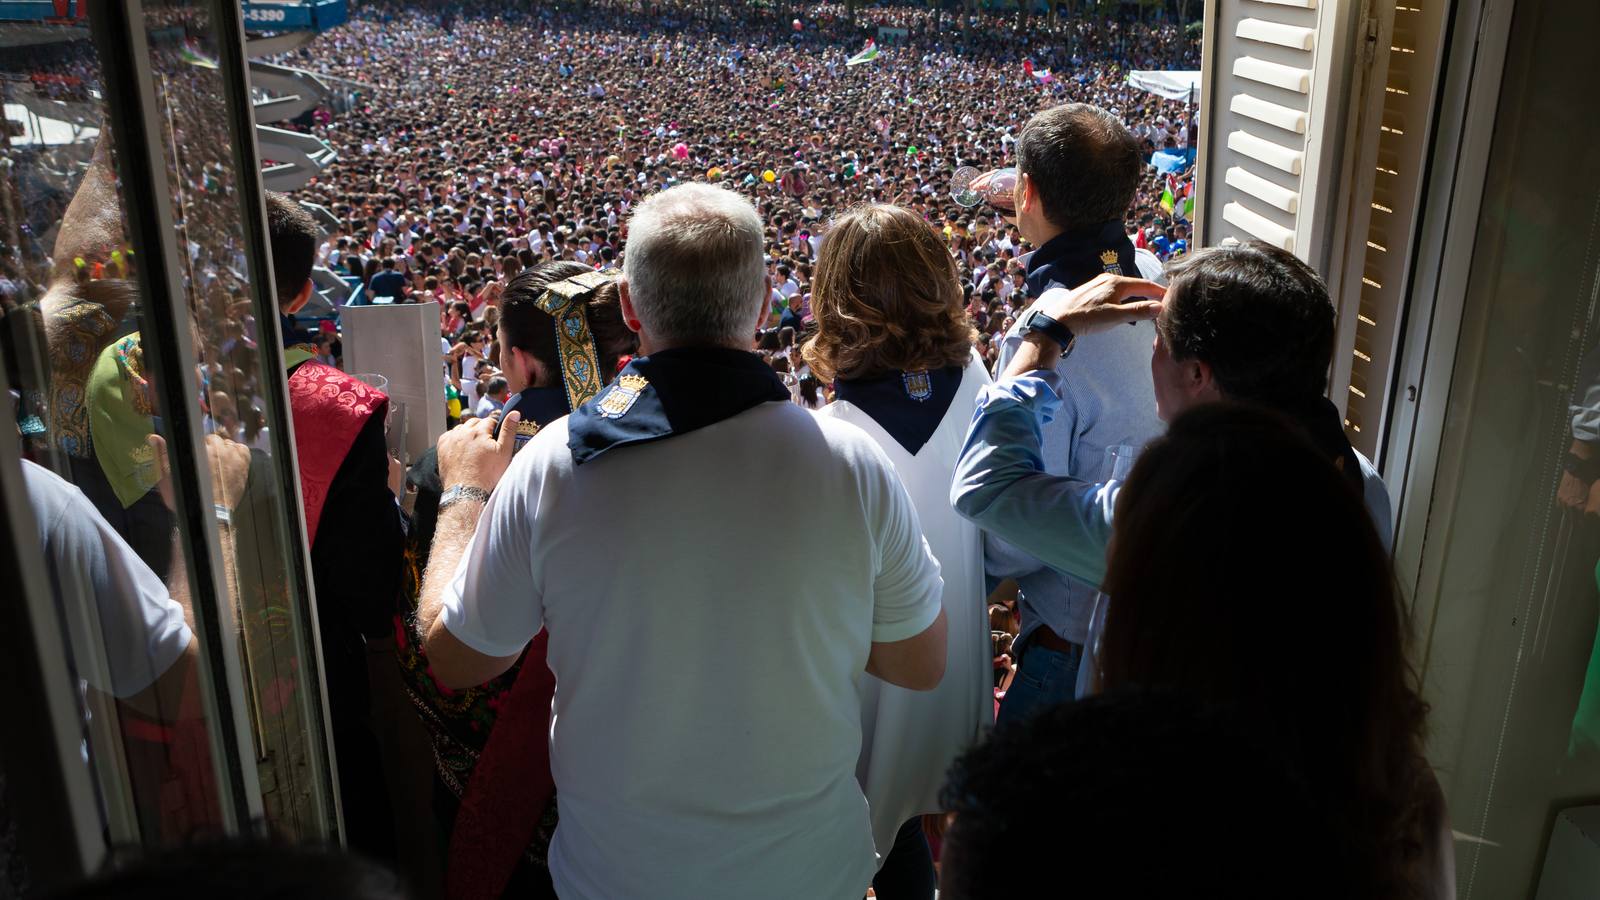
867 55
1175 85
1042 76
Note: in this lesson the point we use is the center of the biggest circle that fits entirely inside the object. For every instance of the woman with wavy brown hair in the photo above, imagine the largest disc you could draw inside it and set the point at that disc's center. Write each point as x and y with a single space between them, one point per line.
893 338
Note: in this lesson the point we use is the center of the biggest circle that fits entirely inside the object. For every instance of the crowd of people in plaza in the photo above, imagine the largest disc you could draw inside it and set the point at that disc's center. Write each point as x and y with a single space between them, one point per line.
476 144
767 463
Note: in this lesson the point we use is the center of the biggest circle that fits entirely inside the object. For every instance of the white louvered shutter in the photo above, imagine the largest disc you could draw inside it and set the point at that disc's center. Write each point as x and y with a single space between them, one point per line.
1311 133
1272 110
1383 202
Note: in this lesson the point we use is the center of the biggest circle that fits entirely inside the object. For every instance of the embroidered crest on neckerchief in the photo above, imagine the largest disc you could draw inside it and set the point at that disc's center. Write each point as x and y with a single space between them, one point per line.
620 397
919 386
1108 260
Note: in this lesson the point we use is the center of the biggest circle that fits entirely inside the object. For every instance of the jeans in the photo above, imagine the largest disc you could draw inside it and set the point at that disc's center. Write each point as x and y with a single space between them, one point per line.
1044 678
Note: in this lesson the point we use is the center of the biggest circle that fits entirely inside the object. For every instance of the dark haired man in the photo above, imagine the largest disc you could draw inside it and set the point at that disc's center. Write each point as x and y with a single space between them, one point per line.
388 284
1122 763
1248 323
494 397
354 526
1078 169
530 368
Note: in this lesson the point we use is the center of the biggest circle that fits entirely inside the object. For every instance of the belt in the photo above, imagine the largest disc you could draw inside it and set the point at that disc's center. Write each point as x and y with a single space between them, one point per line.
1043 636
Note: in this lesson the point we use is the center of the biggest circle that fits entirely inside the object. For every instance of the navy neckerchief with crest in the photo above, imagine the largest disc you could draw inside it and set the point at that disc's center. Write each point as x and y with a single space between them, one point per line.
1075 257
908 405
668 393
540 405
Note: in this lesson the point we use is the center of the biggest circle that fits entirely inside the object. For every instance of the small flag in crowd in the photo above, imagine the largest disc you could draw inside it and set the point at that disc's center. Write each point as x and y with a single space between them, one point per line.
195 58
1042 76
1178 198
867 54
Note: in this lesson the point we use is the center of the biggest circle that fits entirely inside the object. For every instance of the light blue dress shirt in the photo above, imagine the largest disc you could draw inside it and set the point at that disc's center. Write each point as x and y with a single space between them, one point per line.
1001 482
1103 399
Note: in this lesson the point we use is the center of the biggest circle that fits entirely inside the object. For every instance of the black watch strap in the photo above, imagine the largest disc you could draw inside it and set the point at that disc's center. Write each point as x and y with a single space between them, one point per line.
1582 469
1045 325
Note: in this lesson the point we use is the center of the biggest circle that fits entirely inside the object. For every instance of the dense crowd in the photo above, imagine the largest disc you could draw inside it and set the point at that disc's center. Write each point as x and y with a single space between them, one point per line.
478 144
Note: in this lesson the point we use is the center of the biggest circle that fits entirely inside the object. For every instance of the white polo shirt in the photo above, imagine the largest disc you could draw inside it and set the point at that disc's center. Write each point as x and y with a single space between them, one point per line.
711 600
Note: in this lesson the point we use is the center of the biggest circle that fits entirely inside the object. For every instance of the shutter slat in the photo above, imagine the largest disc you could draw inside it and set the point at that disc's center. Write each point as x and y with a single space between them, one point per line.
1292 36
1259 226
1271 113
1262 189
1275 74
1263 150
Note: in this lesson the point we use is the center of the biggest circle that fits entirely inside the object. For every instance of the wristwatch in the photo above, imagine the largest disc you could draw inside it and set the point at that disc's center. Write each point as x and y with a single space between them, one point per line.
1050 328
462 492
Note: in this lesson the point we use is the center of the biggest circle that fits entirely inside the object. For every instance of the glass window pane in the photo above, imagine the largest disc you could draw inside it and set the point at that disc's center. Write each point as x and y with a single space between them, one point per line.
280 675
91 417
1512 663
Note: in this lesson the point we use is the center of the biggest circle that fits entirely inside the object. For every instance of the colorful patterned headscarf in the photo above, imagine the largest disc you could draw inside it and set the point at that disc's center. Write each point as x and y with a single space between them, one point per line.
580 362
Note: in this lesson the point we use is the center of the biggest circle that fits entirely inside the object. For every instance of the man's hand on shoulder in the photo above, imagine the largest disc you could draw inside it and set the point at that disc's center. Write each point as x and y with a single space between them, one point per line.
1095 306
1103 303
471 455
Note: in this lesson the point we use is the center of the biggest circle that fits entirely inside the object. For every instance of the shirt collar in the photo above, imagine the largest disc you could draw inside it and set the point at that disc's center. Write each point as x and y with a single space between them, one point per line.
1077 255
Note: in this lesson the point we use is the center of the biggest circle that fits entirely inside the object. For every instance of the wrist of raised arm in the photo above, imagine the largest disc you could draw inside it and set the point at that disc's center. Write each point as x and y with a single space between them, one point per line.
452 533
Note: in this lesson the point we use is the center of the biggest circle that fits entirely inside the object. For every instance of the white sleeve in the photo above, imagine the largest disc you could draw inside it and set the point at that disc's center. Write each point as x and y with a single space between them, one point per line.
130 618
492 604
907 591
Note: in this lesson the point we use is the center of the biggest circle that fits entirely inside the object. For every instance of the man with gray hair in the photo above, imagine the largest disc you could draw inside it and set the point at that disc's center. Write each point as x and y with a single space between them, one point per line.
707 712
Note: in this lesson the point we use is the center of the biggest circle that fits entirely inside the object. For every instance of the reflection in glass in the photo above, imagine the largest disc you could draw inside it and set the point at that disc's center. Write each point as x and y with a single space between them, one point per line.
93 408
88 412
280 675
1513 526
